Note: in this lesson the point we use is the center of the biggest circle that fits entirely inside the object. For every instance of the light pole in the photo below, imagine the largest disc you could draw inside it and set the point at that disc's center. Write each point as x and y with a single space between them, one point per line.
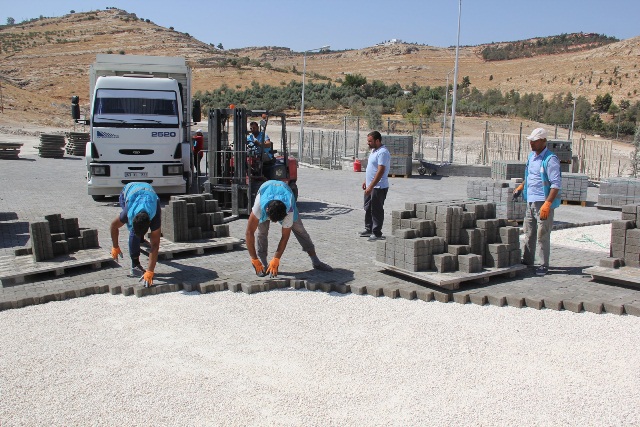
573 114
304 71
444 119
455 86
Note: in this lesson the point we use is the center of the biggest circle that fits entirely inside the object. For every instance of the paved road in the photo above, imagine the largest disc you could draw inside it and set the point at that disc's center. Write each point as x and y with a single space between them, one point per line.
330 203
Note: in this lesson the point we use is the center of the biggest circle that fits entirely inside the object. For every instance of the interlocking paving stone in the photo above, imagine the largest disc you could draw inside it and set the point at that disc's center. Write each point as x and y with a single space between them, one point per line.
441 296
515 301
478 299
461 298
593 307
572 305
553 303
497 300
614 307
632 309
424 295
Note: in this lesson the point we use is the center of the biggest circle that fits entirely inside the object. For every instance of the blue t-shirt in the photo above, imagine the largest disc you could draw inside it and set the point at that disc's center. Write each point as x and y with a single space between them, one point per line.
137 197
379 156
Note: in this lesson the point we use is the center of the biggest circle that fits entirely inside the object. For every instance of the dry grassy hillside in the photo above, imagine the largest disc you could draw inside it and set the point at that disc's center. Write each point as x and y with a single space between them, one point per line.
44 62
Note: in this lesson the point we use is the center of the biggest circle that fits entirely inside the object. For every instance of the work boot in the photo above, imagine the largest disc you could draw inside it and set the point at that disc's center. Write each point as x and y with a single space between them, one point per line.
365 233
542 270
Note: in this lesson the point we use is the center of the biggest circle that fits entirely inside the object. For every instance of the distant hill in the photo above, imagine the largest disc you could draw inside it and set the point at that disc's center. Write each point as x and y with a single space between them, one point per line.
44 61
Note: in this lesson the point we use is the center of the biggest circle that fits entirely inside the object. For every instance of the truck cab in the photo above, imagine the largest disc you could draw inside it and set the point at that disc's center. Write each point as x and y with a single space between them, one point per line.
139 125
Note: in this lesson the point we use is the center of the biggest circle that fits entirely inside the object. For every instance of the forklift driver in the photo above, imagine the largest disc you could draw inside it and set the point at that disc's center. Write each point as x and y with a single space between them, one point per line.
257 140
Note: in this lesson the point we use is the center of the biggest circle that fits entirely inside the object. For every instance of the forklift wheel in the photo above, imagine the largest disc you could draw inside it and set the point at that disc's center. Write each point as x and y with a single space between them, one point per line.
422 170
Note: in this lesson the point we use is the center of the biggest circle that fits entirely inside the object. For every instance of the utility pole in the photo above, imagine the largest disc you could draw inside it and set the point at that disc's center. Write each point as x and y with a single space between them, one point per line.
455 86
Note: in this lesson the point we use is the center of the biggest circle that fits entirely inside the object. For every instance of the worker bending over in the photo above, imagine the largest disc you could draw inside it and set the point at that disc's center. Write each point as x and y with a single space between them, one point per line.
275 203
140 211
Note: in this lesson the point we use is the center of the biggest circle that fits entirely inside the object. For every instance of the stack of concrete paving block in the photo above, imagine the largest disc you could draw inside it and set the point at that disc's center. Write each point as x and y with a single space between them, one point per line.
449 236
618 192
500 193
562 149
625 239
574 187
58 236
502 169
401 149
193 217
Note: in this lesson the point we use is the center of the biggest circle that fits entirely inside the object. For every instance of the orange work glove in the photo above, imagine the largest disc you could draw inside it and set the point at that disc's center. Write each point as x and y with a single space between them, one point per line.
147 278
257 265
273 267
544 210
115 252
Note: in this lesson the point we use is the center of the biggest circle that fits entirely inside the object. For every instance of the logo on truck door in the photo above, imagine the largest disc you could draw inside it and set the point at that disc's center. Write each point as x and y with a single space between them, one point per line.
163 134
102 134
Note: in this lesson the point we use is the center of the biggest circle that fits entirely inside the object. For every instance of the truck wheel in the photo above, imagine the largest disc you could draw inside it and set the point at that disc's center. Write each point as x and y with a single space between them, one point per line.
97 198
422 170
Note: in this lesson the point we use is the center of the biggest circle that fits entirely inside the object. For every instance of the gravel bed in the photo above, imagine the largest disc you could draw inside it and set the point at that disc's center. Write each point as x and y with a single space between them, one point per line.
308 358
593 237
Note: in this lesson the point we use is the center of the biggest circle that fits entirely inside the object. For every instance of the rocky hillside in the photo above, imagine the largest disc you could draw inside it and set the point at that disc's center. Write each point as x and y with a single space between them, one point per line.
44 62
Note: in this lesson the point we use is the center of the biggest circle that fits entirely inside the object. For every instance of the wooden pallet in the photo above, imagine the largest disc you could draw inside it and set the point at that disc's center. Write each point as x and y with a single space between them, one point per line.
169 248
395 175
627 276
14 269
575 202
452 280
608 207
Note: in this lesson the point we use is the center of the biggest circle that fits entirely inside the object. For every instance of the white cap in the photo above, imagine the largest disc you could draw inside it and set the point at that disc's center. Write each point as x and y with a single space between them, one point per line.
199 130
537 133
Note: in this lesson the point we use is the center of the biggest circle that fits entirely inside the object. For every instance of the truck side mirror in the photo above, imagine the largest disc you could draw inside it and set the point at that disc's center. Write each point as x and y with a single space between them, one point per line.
196 112
75 107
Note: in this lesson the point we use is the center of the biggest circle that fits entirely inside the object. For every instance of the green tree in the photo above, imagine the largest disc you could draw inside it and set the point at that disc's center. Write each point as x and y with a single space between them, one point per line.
602 102
635 156
220 46
10 21
354 80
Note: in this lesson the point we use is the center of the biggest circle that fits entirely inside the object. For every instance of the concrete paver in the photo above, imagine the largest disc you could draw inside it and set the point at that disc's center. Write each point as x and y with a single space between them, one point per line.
331 209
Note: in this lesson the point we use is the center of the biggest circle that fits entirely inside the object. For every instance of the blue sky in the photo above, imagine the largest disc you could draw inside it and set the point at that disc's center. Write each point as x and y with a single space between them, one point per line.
354 24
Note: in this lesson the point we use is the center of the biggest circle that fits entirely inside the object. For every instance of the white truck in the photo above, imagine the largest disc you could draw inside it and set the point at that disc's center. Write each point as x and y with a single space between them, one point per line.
140 124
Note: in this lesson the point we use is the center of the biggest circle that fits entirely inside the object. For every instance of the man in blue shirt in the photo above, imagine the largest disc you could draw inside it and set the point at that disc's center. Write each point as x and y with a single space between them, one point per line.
275 203
541 190
375 187
140 211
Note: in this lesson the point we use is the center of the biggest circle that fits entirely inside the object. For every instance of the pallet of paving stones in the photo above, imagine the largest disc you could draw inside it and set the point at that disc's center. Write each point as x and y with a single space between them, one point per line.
196 247
9 150
77 144
15 269
625 275
51 146
453 279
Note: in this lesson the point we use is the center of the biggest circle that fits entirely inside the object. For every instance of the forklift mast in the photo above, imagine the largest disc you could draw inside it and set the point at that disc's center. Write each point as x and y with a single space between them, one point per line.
235 172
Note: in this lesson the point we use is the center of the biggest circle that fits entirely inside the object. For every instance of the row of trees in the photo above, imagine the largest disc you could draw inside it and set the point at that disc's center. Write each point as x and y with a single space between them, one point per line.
424 103
545 46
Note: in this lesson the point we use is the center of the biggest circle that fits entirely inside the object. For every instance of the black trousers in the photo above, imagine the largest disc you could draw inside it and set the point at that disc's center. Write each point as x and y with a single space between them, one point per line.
374 210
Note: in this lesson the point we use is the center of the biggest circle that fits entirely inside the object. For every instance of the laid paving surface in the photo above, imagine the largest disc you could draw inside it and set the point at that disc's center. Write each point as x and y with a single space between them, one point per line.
331 208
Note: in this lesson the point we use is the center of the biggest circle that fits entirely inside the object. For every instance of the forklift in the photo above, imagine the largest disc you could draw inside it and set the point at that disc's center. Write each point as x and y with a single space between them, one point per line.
235 168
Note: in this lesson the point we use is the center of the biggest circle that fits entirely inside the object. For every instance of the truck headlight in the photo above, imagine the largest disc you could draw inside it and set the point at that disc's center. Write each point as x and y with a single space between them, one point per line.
172 169
100 170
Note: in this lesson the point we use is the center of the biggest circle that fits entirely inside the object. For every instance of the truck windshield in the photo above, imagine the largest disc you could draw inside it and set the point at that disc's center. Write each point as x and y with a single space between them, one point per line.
138 108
